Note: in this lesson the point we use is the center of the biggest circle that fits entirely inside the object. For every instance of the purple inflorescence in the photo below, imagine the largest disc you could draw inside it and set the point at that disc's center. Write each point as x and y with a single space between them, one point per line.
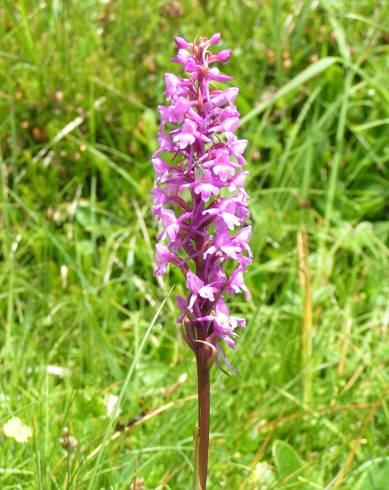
199 194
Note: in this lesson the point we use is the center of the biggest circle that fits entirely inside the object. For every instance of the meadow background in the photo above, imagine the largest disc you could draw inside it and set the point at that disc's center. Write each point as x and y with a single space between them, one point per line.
82 318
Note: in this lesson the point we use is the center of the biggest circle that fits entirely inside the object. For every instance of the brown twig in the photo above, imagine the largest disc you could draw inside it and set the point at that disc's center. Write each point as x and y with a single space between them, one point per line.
169 476
306 339
356 443
319 410
257 457
346 343
140 419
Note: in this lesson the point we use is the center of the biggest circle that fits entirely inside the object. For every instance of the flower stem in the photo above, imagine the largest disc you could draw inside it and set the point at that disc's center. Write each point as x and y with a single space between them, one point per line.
203 378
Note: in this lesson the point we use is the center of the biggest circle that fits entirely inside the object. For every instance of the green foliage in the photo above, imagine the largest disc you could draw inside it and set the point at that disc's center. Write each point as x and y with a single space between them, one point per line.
80 82
372 475
291 469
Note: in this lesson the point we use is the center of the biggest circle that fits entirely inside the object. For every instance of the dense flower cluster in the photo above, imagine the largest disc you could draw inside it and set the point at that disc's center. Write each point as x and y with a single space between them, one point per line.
199 195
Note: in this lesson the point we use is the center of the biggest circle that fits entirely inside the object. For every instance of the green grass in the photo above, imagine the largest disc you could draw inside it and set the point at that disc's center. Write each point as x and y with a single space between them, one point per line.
79 86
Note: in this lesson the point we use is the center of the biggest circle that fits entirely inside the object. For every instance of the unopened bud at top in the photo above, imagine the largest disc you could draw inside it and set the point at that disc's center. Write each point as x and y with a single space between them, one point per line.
215 39
181 43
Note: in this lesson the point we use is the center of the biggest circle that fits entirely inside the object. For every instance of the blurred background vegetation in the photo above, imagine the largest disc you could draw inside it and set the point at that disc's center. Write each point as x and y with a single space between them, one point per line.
91 360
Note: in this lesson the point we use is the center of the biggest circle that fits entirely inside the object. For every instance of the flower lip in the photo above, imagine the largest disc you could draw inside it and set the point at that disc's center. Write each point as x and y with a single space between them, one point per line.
215 39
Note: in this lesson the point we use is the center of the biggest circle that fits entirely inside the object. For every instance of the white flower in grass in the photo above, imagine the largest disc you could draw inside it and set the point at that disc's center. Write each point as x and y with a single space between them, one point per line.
263 475
64 275
111 404
262 469
59 371
17 430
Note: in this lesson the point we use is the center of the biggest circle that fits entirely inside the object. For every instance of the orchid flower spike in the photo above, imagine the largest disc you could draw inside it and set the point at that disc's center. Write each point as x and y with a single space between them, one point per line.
199 194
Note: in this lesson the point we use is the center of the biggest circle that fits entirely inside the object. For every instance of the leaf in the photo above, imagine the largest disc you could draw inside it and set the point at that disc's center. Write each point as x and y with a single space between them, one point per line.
291 468
287 460
372 475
